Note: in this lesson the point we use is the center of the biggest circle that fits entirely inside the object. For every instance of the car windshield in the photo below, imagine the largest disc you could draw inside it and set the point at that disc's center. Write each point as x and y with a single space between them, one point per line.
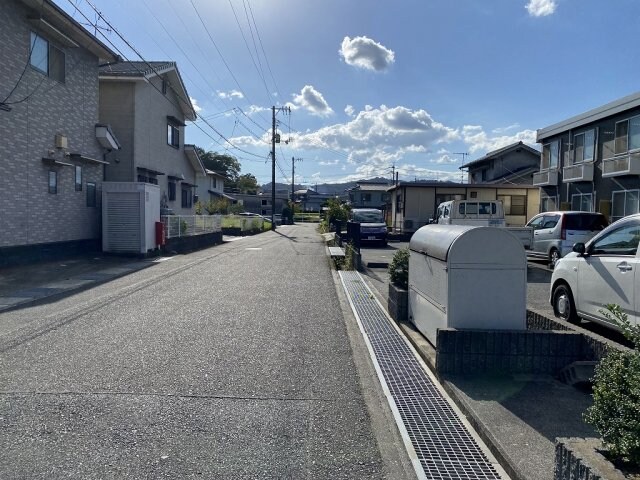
368 217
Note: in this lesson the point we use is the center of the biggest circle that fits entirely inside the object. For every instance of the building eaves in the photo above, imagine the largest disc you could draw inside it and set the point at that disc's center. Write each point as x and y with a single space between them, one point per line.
436 184
65 23
498 152
613 108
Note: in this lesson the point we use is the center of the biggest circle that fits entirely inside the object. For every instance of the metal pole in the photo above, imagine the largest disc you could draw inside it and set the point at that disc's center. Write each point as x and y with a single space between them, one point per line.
273 168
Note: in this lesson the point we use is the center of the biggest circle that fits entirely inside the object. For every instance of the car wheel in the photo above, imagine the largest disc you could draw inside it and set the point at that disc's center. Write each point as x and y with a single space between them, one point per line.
563 305
554 256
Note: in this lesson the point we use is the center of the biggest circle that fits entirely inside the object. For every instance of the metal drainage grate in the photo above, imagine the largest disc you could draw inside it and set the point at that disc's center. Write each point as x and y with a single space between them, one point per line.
445 448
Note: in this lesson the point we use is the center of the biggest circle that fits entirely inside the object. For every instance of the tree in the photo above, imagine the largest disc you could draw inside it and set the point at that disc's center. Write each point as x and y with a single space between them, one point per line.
222 163
247 183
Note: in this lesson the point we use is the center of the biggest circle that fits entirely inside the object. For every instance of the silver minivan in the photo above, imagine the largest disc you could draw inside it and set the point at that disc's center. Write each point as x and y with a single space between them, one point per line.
555 233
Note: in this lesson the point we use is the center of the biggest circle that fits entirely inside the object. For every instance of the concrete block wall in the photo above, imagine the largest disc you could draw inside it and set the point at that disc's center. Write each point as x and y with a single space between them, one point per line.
501 351
29 214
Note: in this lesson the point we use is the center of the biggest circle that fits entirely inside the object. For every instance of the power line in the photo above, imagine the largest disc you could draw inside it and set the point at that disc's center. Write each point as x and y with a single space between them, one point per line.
263 52
260 74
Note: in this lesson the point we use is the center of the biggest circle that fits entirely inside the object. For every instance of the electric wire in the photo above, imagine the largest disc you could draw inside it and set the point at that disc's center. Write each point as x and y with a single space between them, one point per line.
263 51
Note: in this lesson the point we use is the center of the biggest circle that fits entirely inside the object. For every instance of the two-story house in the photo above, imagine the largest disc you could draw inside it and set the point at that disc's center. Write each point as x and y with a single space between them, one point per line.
591 162
51 161
513 164
210 184
147 104
369 194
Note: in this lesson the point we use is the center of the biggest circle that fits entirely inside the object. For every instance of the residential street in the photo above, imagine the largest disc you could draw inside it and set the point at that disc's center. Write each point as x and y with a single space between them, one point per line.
232 362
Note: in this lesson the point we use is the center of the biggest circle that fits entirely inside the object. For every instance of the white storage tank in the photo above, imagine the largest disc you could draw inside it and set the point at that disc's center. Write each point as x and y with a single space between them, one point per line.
461 276
130 211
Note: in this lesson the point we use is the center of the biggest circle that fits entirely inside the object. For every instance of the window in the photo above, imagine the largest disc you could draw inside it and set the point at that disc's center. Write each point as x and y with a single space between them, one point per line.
584 146
53 182
39 58
550 155
547 204
78 177
473 195
398 203
187 199
264 202
172 191
46 58
366 197
213 183
622 241
484 175
627 135
582 202
514 204
173 136
624 203
91 194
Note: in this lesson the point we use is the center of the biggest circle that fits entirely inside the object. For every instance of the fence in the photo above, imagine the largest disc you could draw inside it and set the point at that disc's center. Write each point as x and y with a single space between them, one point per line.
306 217
188 225
244 224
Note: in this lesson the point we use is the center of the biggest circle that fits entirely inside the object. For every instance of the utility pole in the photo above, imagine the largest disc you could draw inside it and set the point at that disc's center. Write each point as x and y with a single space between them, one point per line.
393 172
275 138
293 175
464 156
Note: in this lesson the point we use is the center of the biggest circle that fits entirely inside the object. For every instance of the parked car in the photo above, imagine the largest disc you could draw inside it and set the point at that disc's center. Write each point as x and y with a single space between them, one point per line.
555 233
599 273
372 225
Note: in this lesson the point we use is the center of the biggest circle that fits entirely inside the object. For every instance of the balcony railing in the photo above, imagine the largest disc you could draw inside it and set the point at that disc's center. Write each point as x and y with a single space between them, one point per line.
580 172
188 225
624 165
545 178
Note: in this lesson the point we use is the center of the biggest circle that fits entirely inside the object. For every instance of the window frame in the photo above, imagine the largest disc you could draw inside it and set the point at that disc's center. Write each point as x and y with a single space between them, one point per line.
77 175
186 197
172 188
92 194
53 54
173 136
627 226
582 197
509 205
53 187
613 215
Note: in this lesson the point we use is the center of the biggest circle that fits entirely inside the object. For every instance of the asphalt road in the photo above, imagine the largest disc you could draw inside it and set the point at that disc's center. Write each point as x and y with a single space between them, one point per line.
232 362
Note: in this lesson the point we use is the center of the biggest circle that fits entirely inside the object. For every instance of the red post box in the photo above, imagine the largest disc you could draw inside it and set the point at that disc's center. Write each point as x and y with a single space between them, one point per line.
160 234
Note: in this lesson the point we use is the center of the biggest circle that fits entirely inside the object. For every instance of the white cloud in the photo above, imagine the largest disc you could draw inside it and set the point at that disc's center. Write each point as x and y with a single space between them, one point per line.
230 94
445 159
479 141
506 129
349 110
312 101
363 52
197 108
330 162
541 8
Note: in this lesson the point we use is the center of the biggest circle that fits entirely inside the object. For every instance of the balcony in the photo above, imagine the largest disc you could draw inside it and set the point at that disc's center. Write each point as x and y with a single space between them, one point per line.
545 178
622 165
580 172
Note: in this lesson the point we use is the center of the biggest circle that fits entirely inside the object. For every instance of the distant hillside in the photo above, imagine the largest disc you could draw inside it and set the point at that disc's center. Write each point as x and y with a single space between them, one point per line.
330 188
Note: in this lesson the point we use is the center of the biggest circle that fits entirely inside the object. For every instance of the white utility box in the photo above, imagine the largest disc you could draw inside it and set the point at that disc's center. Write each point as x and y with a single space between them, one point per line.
130 211
461 276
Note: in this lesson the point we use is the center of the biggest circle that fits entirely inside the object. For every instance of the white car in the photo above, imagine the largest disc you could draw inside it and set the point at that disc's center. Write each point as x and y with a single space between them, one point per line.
599 273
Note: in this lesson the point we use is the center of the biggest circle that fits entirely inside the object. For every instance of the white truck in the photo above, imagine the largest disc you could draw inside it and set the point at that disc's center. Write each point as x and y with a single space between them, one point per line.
487 213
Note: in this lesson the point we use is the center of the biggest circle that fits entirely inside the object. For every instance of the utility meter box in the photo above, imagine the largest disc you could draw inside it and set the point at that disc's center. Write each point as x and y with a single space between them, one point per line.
130 211
461 276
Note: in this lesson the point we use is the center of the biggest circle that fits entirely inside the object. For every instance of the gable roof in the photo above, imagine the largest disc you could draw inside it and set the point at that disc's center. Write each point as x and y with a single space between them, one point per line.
56 22
148 70
501 151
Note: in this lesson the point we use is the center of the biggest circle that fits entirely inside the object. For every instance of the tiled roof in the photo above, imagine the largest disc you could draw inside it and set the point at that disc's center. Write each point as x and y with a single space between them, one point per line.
500 151
135 69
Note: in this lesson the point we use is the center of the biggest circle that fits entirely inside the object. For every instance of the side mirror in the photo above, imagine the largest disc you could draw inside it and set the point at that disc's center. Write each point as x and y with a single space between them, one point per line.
579 248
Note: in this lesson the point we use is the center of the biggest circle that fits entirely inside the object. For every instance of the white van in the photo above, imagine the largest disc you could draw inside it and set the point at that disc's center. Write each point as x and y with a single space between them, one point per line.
481 213
471 212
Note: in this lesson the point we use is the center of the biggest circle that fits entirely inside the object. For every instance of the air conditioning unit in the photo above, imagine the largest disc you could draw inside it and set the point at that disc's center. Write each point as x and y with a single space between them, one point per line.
61 141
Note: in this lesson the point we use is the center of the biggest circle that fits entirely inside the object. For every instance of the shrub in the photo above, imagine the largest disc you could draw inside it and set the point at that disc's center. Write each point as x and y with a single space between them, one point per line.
615 412
399 268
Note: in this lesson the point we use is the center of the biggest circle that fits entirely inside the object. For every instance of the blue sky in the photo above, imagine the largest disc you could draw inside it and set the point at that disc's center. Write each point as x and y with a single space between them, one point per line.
409 83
